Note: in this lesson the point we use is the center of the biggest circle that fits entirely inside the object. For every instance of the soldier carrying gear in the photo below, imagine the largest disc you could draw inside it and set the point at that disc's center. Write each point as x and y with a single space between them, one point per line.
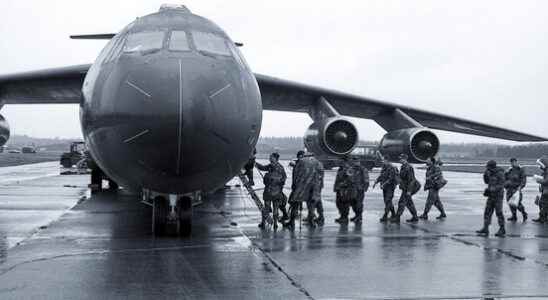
350 185
434 182
388 180
408 186
274 181
307 187
543 188
515 181
494 178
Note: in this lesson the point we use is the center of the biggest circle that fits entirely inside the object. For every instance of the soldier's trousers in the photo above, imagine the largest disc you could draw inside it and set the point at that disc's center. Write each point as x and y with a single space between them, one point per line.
313 206
406 201
494 205
343 205
521 208
388 196
271 205
543 206
433 200
357 203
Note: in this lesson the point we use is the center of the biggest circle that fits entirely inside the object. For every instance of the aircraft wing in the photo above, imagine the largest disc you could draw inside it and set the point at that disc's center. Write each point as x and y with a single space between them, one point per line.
284 95
59 85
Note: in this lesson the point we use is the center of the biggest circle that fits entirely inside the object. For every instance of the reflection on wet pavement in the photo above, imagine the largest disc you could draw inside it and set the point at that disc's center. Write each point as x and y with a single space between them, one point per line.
103 248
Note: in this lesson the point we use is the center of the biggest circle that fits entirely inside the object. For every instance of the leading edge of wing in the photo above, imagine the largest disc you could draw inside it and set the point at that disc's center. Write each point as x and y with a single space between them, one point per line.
285 95
51 73
50 86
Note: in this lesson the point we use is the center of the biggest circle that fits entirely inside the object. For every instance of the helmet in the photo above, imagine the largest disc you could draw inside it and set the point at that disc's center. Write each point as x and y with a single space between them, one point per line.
491 164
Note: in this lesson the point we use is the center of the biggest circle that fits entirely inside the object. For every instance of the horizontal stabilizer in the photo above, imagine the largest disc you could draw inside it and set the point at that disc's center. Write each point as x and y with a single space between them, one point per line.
102 36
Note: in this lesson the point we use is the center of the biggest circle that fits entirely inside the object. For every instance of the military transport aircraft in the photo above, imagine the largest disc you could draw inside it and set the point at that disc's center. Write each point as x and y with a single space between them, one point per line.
170 108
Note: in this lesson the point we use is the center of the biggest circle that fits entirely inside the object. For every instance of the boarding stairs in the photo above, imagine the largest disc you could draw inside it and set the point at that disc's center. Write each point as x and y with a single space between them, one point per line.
255 197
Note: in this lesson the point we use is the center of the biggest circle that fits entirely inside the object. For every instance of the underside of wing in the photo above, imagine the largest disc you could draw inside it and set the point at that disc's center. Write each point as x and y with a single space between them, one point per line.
284 95
56 86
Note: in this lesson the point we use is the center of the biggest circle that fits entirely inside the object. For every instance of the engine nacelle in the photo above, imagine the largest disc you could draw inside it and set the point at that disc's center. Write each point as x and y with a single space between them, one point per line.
418 143
4 131
332 136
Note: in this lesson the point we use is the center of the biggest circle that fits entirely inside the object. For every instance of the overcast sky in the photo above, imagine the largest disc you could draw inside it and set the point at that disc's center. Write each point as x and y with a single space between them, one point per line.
481 60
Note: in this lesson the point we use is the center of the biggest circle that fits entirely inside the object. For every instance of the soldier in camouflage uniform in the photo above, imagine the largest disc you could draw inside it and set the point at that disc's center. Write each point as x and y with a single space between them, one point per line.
388 179
274 181
361 181
407 180
515 181
433 184
307 187
543 188
351 183
494 178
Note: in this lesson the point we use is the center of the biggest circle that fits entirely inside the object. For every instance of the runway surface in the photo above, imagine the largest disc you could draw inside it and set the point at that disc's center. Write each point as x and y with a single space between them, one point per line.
58 242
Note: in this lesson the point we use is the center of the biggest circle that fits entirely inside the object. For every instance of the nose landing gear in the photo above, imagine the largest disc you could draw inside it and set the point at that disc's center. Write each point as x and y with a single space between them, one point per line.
172 215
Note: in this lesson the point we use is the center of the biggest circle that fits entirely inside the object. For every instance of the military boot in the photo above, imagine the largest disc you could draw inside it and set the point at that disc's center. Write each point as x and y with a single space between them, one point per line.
290 225
483 231
384 218
539 220
358 219
354 218
424 217
342 220
513 218
319 221
395 219
441 216
524 215
501 232
414 219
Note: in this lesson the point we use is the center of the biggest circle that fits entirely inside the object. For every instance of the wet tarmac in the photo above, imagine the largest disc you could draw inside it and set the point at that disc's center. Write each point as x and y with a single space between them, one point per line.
102 247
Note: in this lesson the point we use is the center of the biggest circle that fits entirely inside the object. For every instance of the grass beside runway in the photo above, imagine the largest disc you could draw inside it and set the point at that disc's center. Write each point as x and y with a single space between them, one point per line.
17 159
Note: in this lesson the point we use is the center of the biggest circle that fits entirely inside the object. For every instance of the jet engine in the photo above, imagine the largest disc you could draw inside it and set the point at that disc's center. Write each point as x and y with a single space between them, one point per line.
4 131
332 136
418 143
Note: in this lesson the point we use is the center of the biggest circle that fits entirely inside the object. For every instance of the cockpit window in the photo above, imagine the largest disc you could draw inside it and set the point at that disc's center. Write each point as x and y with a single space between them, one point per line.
178 41
144 41
210 42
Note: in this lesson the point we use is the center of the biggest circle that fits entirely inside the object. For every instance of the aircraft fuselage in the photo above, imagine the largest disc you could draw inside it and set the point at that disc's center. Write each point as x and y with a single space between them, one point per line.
170 105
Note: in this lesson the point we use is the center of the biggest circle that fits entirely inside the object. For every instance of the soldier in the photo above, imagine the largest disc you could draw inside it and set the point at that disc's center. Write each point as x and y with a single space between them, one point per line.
388 180
543 188
350 185
515 181
248 168
494 178
307 186
274 181
434 182
361 182
408 184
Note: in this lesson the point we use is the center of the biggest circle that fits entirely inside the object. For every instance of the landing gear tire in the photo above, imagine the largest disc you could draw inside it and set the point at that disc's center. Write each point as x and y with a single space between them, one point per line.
184 205
159 212
171 220
96 180
112 185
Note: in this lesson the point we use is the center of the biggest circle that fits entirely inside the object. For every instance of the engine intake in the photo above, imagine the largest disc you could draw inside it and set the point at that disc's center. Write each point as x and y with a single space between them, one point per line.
418 143
4 131
333 136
